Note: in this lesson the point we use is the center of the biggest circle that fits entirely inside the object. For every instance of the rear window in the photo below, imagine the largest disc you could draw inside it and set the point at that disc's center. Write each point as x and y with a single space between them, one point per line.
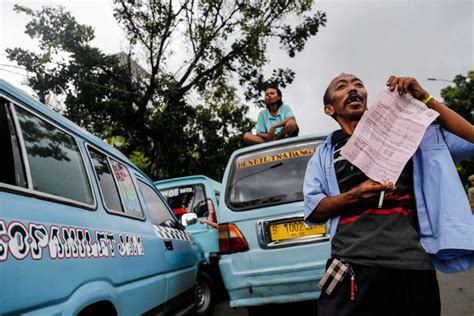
269 176
186 199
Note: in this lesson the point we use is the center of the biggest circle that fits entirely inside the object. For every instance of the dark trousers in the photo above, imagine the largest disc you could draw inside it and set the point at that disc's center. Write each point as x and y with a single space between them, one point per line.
384 291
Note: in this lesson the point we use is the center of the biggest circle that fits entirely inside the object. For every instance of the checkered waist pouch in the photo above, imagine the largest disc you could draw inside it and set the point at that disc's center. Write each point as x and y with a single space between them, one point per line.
334 275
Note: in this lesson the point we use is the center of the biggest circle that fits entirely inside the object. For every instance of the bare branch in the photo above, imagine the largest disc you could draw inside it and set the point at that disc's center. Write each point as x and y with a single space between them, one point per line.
130 19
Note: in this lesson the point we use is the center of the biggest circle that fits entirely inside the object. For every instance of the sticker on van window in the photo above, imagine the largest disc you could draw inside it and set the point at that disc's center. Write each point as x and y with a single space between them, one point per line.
64 242
276 157
176 192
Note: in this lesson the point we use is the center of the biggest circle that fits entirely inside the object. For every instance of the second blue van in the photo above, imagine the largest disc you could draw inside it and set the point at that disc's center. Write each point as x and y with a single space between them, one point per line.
268 254
199 195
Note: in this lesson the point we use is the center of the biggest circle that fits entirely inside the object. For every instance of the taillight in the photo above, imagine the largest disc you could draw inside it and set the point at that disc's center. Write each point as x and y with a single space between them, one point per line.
231 239
212 211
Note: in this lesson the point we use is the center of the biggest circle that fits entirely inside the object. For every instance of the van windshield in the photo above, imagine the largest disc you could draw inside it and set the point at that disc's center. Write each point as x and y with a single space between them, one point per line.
186 199
269 176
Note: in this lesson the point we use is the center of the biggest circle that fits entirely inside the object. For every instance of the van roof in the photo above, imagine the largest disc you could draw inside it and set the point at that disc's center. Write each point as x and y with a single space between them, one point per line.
186 180
24 98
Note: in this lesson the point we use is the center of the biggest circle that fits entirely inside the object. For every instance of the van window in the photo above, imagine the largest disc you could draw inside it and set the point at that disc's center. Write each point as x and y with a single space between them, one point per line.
107 185
54 158
159 212
12 171
268 176
127 189
187 199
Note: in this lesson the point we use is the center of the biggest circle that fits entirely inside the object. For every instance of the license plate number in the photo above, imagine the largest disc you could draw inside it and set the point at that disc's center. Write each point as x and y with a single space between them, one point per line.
294 230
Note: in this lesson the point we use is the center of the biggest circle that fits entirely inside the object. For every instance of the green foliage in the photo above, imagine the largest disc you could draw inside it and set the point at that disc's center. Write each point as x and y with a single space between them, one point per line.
139 159
460 98
186 119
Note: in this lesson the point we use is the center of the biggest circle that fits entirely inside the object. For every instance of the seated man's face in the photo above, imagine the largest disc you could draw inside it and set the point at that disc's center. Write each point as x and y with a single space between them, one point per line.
271 96
348 98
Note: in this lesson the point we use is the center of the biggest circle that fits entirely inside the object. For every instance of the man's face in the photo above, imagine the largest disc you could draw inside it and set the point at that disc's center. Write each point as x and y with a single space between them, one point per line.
348 98
271 96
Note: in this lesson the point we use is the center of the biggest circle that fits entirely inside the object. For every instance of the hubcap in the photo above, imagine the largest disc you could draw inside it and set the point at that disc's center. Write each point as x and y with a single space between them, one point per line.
203 295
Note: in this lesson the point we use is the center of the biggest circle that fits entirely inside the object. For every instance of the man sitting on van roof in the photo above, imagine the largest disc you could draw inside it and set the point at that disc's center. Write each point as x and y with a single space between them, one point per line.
277 121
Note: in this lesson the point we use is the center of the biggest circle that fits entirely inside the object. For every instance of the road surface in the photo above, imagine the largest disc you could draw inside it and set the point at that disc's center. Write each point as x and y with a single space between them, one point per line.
457 296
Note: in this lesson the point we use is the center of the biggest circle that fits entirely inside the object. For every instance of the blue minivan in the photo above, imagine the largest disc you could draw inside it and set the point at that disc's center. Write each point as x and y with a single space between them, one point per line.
82 230
268 254
199 195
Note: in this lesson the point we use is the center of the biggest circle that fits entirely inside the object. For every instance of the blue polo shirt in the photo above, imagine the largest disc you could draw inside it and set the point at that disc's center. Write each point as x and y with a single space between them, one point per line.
266 120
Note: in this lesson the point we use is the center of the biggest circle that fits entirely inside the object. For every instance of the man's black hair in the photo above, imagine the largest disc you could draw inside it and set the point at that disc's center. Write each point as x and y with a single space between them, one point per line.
280 103
326 97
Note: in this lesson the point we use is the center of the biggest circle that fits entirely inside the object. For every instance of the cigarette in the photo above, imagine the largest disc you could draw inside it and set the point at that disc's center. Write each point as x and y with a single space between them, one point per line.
382 194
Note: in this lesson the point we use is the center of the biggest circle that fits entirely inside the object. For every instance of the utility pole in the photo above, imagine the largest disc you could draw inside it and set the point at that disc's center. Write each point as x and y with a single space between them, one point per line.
438 79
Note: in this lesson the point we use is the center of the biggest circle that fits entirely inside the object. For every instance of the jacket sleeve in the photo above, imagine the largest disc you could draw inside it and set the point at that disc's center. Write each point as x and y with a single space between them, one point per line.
314 185
459 148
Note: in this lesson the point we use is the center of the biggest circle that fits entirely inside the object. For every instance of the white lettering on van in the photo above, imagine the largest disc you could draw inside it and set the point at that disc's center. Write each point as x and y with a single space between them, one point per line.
18 244
130 245
92 251
140 249
70 246
39 240
55 246
111 242
3 243
81 242
102 244
64 242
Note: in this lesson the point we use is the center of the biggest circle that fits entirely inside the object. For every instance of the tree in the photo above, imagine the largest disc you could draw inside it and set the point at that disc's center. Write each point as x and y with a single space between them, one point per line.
224 44
460 98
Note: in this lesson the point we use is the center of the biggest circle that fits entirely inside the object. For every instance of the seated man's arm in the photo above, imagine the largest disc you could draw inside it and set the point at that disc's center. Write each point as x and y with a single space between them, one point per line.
261 129
283 123
261 132
283 132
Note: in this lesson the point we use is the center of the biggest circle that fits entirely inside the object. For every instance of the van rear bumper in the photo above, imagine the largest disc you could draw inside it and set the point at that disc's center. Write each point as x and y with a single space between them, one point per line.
295 283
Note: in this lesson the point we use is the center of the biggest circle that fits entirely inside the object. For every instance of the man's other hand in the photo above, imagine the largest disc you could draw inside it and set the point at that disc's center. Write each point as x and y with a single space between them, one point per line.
370 189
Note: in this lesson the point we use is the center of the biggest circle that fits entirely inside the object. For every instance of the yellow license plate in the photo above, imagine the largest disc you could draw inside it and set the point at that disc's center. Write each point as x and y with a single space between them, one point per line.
294 230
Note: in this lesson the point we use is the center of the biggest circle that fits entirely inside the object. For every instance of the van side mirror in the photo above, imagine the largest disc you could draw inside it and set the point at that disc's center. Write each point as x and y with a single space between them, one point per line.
188 219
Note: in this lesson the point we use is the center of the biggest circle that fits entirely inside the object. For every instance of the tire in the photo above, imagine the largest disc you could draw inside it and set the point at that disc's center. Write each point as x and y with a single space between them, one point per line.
205 294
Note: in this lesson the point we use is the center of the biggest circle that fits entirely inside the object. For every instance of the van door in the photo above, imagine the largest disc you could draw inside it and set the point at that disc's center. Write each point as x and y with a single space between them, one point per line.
180 257
192 198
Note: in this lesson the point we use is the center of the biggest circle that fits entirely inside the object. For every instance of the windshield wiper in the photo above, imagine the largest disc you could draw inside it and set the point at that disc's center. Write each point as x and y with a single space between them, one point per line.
255 173
272 199
245 203
256 202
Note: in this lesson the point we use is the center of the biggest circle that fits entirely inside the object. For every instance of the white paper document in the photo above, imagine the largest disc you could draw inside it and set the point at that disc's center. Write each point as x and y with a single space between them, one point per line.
388 135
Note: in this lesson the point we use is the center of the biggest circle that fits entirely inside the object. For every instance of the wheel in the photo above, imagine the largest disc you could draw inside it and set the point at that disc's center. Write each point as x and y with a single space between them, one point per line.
205 294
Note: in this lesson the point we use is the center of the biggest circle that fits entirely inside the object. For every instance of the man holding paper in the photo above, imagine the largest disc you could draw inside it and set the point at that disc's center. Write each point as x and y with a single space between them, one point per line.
424 223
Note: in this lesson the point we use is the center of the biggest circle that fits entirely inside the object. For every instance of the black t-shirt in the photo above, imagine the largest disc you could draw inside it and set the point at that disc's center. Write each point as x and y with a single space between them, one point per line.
368 235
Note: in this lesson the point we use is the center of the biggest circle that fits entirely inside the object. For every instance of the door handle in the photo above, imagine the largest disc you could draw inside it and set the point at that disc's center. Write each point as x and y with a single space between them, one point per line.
168 244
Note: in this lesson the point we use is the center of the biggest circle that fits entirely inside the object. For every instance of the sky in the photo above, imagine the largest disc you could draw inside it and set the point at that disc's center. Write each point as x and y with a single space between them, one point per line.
369 38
